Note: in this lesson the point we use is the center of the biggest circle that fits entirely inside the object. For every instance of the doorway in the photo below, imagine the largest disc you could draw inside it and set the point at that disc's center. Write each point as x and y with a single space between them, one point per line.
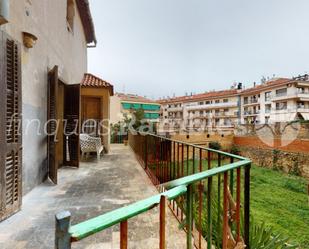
63 135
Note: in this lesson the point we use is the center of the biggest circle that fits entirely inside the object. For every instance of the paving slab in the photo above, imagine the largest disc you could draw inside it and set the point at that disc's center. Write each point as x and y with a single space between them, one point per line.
93 189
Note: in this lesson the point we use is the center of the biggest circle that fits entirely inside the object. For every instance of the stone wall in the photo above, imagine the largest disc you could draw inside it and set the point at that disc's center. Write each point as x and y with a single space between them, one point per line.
290 162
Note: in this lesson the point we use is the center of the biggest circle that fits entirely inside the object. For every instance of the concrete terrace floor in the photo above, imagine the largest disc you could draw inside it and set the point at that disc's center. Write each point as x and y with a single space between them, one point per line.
91 190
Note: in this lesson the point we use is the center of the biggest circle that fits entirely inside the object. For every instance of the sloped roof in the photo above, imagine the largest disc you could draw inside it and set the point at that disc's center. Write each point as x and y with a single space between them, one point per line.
91 80
134 98
200 96
87 21
268 84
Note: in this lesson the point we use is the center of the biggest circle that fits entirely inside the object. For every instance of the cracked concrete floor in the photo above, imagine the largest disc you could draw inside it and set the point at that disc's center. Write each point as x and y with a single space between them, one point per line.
91 190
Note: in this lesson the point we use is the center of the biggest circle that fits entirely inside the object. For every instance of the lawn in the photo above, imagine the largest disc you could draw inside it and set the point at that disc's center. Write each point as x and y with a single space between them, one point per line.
281 201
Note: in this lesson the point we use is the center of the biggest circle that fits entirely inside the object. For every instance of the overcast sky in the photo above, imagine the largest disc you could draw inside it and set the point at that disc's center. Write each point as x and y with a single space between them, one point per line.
160 48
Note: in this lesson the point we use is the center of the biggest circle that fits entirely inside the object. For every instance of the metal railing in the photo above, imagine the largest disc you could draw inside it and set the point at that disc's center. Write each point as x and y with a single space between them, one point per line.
180 171
170 163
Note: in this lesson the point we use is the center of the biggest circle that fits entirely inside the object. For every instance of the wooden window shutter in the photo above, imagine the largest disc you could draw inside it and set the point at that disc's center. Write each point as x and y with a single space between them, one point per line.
10 127
52 116
72 117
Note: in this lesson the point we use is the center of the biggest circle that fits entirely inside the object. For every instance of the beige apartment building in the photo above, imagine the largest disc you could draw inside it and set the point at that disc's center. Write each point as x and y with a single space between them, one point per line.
211 111
277 100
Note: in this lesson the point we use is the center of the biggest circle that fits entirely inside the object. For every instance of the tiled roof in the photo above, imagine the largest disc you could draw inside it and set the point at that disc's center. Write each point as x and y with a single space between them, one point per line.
268 84
200 96
134 98
87 21
93 81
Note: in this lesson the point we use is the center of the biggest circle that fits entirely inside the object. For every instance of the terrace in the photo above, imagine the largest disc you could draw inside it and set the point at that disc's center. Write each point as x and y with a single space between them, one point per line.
190 197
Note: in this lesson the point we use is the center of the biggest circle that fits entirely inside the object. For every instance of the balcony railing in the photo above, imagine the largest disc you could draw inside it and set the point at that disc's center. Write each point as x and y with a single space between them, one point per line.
202 187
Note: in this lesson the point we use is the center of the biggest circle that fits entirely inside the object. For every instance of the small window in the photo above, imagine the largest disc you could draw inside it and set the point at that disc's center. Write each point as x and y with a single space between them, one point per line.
208 136
70 14
188 136
225 100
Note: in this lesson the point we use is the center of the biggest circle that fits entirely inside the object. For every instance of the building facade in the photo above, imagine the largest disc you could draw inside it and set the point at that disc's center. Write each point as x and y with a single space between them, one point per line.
217 110
122 104
277 100
43 52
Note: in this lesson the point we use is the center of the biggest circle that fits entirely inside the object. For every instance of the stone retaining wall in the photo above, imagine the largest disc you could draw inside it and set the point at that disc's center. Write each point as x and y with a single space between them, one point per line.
290 162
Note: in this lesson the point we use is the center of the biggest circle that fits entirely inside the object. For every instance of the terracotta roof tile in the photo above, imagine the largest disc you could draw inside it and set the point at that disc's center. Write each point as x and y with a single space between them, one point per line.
93 81
268 84
201 96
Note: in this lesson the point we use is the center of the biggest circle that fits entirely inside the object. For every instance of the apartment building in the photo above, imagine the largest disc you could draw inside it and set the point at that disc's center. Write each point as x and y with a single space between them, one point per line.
216 110
277 100
127 103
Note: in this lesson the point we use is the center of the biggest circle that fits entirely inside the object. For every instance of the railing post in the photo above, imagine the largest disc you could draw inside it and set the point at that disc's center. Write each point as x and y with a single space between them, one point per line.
162 221
124 234
146 153
247 206
62 236
189 216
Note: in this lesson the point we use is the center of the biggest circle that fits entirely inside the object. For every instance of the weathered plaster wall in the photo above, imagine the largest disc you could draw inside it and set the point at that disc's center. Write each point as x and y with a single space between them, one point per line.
55 46
115 110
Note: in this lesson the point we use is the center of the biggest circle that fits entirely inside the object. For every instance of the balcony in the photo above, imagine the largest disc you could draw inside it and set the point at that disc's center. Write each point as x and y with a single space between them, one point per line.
252 102
175 109
299 95
183 174
211 106
251 113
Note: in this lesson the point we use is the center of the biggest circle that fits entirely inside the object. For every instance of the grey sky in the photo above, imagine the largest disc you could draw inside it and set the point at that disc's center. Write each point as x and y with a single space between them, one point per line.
164 47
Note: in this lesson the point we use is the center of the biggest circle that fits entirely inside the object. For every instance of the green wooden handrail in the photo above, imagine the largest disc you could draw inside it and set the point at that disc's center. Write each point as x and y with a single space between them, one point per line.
187 180
196 146
99 223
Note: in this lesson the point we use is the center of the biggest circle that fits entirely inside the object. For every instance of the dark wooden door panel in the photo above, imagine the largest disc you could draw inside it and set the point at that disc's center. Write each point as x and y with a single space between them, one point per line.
72 125
52 117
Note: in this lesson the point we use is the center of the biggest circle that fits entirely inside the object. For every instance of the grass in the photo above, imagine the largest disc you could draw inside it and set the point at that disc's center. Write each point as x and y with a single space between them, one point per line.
279 200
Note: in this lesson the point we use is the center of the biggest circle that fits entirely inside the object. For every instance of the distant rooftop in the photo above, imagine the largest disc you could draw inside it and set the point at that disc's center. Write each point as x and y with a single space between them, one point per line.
201 96
134 98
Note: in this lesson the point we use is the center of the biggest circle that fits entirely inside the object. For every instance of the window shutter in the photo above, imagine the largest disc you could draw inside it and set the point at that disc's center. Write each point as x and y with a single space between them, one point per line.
52 116
72 115
10 126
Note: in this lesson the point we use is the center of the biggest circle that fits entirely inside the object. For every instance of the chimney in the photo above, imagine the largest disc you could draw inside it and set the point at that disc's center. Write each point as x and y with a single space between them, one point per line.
239 86
254 84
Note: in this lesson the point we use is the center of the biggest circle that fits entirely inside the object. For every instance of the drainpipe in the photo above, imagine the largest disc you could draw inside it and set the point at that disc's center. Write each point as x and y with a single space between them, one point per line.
4 11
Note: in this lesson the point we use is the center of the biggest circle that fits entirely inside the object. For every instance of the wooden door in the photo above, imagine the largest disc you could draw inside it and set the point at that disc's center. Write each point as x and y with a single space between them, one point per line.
91 114
52 118
71 125
10 127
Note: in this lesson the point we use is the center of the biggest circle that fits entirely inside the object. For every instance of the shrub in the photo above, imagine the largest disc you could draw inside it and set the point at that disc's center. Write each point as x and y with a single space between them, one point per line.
215 145
235 150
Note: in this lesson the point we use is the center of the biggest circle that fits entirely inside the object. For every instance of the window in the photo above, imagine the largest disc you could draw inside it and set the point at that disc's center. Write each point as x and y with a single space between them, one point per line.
208 102
301 105
217 121
267 96
226 111
281 106
267 108
225 100
201 112
201 103
70 14
246 100
217 101
300 90
281 92
267 120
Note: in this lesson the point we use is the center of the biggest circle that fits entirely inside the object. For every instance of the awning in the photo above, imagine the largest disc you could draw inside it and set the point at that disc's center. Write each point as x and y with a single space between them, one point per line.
305 115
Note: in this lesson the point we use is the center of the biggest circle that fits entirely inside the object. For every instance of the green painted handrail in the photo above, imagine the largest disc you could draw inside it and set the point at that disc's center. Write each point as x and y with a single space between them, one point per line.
187 180
196 146
99 223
